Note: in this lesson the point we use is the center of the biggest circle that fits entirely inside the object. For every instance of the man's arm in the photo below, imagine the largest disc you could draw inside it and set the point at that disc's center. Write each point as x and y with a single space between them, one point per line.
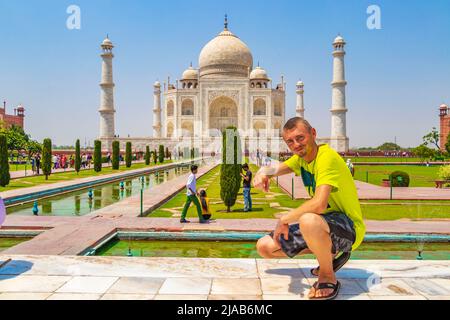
264 174
318 204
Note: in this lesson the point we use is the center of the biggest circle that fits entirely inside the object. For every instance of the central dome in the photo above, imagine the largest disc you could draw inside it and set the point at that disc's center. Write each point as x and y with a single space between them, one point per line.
225 55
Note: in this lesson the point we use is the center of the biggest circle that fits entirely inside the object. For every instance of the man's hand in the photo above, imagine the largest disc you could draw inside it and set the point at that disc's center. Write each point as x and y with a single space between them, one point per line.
261 181
283 229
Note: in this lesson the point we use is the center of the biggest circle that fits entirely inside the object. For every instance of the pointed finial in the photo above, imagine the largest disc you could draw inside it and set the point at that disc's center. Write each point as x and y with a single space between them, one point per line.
226 22
107 36
258 63
191 64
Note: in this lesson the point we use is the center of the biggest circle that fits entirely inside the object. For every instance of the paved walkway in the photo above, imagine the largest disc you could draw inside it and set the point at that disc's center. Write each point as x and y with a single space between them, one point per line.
29 173
367 191
112 278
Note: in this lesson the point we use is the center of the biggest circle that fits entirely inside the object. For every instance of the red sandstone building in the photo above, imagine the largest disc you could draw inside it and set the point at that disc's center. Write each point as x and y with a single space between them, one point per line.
8 119
444 114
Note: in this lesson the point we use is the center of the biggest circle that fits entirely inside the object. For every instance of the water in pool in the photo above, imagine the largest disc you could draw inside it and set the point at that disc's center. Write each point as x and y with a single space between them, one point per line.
78 203
245 249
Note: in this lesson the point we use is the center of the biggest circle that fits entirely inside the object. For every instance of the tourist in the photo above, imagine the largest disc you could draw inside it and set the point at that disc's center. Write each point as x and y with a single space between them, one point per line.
38 163
204 201
191 187
246 187
327 224
350 167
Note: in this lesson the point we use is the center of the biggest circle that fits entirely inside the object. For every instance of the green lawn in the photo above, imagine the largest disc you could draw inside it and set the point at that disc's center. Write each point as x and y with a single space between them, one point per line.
65 176
211 183
372 209
382 159
420 176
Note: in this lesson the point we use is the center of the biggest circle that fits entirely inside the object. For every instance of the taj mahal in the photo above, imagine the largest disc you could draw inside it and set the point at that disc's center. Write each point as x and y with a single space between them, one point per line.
225 90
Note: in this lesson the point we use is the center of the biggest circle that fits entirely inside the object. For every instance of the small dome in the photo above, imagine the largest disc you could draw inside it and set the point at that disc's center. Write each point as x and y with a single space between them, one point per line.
339 39
300 84
107 43
20 107
259 73
157 84
190 74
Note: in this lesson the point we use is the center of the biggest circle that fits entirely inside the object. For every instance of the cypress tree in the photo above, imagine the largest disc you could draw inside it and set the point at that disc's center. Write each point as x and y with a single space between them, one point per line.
47 158
161 153
167 153
4 164
230 178
97 156
77 156
155 156
128 154
147 155
115 155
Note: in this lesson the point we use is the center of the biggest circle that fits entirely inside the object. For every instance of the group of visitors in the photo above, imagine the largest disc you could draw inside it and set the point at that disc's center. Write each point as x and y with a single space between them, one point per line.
61 161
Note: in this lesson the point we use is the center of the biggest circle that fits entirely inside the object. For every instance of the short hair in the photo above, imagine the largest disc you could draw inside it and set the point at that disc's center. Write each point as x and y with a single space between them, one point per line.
245 166
194 167
293 122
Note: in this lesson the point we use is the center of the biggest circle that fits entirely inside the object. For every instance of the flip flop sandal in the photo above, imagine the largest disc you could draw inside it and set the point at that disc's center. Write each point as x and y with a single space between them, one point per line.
338 263
321 286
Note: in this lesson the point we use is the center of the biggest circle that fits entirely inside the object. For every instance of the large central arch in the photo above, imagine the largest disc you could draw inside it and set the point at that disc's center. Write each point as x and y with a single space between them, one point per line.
223 112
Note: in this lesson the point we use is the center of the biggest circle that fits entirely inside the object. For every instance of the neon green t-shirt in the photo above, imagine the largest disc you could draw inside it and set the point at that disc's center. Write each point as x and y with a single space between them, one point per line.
330 169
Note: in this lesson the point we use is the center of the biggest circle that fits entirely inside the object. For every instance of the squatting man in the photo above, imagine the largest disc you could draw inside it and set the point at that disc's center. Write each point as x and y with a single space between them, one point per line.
326 225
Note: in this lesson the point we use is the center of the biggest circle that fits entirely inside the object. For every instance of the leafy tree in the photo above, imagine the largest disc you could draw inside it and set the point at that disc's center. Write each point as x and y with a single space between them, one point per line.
47 158
161 153
128 154
16 138
115 155
432 138
33 147
147 155
230 178
389 146
4 165
97 156
447 145
423 152
77 156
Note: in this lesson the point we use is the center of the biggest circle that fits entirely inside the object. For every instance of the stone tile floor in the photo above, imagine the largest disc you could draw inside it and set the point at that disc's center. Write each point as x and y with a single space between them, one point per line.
122 278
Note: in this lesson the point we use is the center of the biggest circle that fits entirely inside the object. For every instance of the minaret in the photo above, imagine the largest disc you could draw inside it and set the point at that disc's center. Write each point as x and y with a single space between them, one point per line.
107 92
338 140
300 109
157 110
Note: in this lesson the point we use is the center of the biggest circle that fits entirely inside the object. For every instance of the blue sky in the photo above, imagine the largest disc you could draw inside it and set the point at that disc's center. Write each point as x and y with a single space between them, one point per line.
397 76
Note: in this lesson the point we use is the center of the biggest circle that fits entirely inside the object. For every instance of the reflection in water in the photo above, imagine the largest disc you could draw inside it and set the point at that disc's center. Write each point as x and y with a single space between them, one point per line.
78 202
77 205
47 207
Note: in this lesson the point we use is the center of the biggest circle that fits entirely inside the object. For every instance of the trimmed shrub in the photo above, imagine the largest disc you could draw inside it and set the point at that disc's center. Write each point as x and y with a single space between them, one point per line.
4 165
47 158
230 178
167 153
444 173
161 153
115 155
399 179
97 156
77 156
128 154
147 155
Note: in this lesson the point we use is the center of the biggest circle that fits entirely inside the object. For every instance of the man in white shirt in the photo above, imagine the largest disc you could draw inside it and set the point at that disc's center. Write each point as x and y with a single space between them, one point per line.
191 193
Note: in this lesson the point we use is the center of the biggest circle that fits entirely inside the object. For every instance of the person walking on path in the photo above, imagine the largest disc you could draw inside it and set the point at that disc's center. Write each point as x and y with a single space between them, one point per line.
38 163
191 187
247 178
329 223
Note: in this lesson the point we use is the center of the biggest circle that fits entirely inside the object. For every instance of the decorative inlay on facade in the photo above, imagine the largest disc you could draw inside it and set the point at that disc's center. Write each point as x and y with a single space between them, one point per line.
233 94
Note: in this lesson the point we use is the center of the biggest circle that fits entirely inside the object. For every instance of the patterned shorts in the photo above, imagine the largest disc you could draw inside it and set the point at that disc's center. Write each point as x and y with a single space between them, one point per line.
342 235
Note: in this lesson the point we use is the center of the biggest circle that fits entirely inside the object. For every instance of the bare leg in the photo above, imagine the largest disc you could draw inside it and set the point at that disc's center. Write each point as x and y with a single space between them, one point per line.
316 233
267 248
